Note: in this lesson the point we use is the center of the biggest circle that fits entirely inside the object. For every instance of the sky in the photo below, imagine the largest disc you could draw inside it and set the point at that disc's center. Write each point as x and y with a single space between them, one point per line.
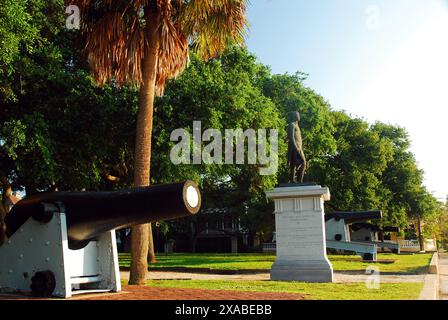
381 60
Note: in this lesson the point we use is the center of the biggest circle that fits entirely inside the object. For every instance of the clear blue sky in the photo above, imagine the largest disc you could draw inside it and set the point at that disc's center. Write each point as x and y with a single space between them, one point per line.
381 60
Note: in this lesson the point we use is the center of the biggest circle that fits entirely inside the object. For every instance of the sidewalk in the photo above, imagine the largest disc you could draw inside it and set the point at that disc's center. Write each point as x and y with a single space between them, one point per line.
339 277
443 276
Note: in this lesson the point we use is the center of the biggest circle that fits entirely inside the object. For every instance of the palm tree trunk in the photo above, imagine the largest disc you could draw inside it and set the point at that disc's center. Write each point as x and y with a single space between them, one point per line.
141 234
6 193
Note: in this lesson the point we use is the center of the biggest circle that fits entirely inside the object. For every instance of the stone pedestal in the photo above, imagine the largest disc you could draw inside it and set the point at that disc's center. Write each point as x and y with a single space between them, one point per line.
300 234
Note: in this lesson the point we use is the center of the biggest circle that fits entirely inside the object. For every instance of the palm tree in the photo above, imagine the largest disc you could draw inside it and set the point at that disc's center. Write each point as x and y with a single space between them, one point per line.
144 43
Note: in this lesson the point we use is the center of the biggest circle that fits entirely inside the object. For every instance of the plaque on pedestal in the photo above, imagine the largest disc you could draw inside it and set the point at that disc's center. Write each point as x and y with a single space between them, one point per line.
300 233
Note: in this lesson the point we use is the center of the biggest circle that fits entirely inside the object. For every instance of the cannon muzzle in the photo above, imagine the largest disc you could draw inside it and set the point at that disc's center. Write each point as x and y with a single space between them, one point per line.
89 214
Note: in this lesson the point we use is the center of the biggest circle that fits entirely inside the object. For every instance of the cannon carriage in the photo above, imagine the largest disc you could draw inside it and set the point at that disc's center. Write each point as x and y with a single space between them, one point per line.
349 231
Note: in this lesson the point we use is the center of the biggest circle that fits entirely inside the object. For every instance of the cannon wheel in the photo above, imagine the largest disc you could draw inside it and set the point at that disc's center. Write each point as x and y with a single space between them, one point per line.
43 284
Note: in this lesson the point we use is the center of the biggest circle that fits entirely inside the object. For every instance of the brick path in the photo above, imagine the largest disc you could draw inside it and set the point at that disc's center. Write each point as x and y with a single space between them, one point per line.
155 293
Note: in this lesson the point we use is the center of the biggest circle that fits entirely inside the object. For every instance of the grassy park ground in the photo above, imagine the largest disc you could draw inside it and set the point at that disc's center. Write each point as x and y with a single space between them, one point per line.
411 264
312 291
403 264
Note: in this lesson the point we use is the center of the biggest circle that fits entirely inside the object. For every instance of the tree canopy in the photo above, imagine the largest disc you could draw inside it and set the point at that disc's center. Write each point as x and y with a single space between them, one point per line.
60 130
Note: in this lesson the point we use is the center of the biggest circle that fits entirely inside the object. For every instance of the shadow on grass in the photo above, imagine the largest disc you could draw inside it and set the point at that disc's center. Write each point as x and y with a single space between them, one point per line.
253 263
208 261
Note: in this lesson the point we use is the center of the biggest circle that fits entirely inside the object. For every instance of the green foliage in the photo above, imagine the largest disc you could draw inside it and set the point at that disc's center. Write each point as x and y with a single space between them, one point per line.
426 208
16 32
13 137
355 168
442 226
401 175
24 28
223 94
289 94
67 140
59 130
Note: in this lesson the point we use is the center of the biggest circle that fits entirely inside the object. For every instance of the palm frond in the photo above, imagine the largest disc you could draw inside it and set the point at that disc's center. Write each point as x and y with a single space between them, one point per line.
116 42
214 24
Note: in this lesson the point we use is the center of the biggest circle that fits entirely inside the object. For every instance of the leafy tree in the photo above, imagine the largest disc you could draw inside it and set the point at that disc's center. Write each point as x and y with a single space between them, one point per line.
16 31
223 93
61 131
289 94
443 226
401 176
24 26
353 172
424 207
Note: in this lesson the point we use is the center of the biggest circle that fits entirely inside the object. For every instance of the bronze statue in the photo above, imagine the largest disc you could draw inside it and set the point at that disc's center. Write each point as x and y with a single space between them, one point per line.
296 157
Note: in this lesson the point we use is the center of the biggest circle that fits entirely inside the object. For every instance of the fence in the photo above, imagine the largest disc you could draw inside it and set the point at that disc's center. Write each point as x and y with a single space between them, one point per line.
414 245
269 247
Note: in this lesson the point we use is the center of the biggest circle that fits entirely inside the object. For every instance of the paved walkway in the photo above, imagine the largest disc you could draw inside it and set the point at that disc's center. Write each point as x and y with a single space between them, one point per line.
443 276
339 277
153 293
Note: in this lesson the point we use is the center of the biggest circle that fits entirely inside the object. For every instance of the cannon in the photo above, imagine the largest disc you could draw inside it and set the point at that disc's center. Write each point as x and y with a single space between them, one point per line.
338 232
348 231
63 243
366 232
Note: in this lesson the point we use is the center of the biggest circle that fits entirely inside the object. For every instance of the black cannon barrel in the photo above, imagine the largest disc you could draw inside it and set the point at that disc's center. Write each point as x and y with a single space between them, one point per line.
351 217
90 214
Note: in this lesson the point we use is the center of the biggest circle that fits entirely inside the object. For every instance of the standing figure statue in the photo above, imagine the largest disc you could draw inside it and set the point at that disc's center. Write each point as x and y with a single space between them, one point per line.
296 157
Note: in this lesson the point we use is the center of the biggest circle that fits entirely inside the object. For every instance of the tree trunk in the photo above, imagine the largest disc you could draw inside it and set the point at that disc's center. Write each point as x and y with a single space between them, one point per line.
194 244
2 224
141 234
151 254
420 235
4 208
6 194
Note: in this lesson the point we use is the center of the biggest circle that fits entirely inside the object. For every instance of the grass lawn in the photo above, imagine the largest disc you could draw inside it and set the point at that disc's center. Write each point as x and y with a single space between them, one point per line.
411 264
312 291
406 263
210 261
